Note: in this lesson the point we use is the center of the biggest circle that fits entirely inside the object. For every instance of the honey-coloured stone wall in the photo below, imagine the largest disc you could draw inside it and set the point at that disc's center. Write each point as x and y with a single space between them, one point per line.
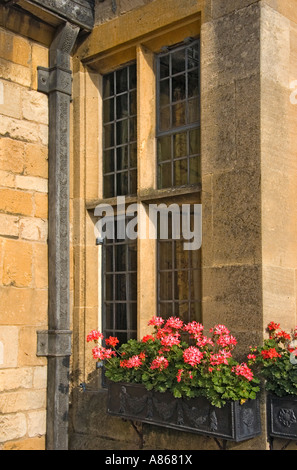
23 241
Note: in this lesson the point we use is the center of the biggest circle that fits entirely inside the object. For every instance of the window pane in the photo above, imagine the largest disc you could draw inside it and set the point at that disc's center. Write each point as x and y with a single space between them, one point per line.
195 311
179 108
133 155
108 161
165 255
109 287
194 170
108 110
121 80
122 158
108 135
179 114
164 175
164 92
108 186
166 309
165 291
132 257
164 66
179 88
122 132
120 136
133 315
133 182
132 76
181 285
132 286
180 172
109 259
180 144
133 129
193 56
165 118
195 142
194 110
164 148
109 319
193 83
122 106
178 61
108 85
120 316
133 103
120 257
122 183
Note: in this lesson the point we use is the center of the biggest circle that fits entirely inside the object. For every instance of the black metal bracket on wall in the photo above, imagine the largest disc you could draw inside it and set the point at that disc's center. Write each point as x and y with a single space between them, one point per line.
55 343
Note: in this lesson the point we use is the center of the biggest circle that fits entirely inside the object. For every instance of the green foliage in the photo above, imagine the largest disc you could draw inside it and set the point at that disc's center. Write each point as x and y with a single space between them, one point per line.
274 361
164 362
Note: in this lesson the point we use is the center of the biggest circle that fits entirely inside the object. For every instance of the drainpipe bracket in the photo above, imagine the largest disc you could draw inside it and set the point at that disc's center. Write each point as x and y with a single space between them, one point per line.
54 79
54 343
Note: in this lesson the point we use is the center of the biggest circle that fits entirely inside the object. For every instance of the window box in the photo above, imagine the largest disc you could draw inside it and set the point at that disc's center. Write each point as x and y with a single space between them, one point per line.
233 422
282 417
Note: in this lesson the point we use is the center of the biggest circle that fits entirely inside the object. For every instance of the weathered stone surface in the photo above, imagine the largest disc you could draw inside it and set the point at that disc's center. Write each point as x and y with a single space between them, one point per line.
12 426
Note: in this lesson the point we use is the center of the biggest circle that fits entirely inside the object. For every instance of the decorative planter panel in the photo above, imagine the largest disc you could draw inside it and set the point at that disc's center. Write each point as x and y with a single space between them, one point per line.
233 422
282 417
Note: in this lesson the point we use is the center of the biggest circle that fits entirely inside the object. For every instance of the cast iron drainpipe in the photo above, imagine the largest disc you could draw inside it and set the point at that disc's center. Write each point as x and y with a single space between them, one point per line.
55 343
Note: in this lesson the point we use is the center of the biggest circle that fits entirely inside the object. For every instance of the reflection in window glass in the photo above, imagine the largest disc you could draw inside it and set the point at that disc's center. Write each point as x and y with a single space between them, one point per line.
119 132
178 116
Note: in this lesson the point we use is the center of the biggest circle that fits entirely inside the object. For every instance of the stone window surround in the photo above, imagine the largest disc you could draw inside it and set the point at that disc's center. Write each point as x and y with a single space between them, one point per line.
87 112
144 55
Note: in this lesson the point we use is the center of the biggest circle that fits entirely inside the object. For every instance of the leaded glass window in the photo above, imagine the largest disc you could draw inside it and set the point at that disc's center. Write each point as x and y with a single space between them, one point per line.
120 132
178 116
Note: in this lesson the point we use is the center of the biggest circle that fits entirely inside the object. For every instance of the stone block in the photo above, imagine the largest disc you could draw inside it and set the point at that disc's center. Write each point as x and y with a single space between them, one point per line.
9 346
32 228
15 72
36 160
218 133
40 377
12 154
24 306
7 179
231 47
236 217
10 103
41 205
9 225
232 295
221 7
12 426
36 423
275 46
31 183
34 443
40 265
9 380
15 48
24 130
16 202
20 401
279 303
34 106
17 263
